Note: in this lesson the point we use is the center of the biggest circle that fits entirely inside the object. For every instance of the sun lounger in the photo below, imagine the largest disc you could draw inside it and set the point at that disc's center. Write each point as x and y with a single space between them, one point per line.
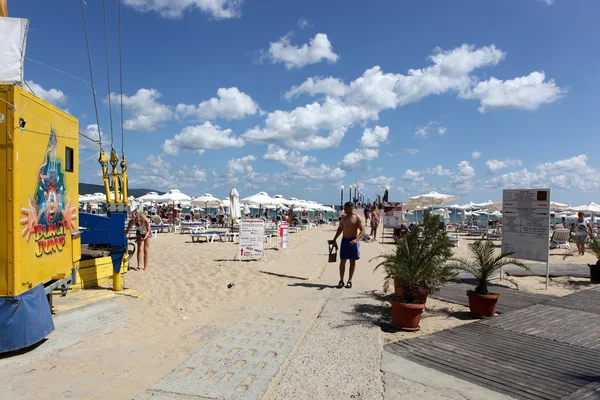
228 235
560 239
455 239
208 236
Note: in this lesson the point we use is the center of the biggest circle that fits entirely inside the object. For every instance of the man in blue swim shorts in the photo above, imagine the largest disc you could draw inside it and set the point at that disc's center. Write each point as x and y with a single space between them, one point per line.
353 229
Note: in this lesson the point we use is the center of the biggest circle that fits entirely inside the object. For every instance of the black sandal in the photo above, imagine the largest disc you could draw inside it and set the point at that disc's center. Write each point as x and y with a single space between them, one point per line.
340 285
349 285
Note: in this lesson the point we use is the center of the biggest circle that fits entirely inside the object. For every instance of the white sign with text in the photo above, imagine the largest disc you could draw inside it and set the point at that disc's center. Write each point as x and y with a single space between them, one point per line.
252 236
526 223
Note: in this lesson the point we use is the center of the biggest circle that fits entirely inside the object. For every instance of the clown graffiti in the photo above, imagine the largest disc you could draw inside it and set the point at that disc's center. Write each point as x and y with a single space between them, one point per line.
47 217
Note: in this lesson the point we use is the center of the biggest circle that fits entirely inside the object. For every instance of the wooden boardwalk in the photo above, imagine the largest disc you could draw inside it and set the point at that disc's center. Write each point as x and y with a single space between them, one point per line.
510 299
585 300
518 365
573 327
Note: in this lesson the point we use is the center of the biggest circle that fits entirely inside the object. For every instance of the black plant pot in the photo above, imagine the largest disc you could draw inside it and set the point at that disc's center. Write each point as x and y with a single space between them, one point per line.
595 272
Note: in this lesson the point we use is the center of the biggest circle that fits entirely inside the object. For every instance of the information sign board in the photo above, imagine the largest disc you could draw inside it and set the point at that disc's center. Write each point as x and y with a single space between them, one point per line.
283 230
526 223
252 236
392 214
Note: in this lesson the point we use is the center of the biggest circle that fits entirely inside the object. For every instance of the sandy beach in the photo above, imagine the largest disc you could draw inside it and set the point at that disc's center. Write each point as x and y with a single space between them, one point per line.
184 302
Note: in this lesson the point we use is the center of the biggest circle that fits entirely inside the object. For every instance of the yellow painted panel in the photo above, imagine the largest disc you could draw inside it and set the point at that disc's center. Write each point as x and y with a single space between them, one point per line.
5 208
96 272
43 194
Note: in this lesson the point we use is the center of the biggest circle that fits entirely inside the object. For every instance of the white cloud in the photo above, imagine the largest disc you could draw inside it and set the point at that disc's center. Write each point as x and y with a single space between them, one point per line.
85 144
378 182
461 180
363 99
156 173
495 165
526 92
476 155
290 158
301 166
423 131
410 175
230 103
299 128
450 72
218 9
548 2
199 138
303 23
352 159
318 49
146 112
439 171
570 174
409 150
240 170
54 96
373 137
328 86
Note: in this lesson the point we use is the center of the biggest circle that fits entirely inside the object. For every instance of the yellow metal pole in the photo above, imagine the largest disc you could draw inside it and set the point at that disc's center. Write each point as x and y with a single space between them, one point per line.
118 282
3 9
114 159
124 180
104 163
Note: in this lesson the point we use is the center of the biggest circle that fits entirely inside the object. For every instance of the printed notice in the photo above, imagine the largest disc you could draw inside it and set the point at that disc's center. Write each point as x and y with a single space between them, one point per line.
283 230
526 223
252 236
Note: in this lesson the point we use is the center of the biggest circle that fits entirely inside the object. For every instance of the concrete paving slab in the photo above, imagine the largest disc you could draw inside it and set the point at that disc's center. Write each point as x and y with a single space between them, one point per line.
339 358
406 380
240 362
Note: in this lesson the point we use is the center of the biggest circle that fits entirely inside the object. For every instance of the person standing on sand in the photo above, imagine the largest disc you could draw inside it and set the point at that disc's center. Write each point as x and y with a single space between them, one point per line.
350 224
142 234
580 231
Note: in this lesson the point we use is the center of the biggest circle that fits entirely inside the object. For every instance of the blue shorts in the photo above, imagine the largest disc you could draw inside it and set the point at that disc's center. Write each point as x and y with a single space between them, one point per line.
348 252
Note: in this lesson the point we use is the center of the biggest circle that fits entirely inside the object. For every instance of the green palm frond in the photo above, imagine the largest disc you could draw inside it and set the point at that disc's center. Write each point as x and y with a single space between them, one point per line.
419 259
485 263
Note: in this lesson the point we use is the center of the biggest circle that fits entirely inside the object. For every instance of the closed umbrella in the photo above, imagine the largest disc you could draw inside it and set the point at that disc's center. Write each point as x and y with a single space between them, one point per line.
234 206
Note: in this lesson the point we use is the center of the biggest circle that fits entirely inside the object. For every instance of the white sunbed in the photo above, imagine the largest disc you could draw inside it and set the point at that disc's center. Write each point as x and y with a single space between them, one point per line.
560 239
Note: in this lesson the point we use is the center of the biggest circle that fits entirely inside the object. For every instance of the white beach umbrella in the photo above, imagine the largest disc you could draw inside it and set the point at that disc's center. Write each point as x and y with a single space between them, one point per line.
234 210
207 200
225 203
175 196
558 206
261 198
589 208
433 199
485 204
150 196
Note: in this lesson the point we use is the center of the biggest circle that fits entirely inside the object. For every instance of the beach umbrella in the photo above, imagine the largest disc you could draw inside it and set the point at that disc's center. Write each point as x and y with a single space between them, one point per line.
150 196
433 199
558 206
589 208
262 199
234 209
485 204
207 200
174 196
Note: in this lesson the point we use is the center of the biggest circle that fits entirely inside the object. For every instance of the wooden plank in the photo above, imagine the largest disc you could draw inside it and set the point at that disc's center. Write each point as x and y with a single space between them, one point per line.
522 366
568 326
589 392
585 300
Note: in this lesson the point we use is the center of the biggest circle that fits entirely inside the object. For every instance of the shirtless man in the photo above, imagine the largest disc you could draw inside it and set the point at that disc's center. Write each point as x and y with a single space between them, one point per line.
349 225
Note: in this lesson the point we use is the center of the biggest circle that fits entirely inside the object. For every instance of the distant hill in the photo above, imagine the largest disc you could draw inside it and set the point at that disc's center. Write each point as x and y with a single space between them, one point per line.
89 188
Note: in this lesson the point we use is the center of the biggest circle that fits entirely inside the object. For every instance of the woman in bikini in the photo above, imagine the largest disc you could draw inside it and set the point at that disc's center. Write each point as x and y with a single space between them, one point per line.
142 236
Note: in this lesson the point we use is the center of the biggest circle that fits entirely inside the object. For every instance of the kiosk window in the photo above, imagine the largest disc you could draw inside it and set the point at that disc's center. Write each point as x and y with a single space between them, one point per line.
68 159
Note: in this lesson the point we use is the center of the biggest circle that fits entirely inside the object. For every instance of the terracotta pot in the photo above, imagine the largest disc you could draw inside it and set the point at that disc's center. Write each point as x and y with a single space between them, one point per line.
482 305
406 316
595 272
399 291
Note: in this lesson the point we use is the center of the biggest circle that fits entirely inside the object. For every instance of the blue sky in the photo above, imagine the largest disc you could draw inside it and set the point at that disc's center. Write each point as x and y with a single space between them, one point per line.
298 98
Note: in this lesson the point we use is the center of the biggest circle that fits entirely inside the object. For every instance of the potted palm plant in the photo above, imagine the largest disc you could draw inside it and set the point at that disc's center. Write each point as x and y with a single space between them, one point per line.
418 265
484 265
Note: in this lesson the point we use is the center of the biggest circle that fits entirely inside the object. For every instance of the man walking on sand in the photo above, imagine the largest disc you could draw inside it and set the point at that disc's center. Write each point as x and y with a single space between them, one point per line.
349 225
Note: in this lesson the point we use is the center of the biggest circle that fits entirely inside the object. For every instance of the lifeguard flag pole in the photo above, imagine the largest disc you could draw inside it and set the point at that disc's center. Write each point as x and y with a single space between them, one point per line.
3 9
